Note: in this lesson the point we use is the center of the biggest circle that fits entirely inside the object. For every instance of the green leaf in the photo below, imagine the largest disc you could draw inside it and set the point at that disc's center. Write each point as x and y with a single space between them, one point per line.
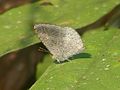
73 13
98 72
15 29
43 66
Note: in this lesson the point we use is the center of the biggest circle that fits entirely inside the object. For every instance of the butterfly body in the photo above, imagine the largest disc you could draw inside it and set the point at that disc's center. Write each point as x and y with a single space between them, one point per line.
62 42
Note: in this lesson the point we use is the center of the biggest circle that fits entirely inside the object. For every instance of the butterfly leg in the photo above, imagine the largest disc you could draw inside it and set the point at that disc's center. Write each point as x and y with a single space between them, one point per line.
43 50
58 61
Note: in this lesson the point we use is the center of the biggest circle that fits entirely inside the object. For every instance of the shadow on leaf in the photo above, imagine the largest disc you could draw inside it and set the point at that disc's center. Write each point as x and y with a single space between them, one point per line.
81 55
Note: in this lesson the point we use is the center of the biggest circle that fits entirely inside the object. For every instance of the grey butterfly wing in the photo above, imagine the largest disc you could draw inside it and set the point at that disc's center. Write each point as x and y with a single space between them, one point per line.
72 43
61 42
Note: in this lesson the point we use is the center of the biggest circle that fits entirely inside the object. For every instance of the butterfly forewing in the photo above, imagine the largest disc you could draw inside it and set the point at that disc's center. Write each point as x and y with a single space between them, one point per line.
62 42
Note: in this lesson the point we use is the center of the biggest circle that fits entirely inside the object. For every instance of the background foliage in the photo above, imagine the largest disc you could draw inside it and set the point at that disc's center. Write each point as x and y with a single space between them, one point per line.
97 68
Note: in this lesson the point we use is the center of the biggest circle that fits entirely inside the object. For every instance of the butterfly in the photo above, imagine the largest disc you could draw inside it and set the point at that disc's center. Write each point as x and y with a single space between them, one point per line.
62 42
